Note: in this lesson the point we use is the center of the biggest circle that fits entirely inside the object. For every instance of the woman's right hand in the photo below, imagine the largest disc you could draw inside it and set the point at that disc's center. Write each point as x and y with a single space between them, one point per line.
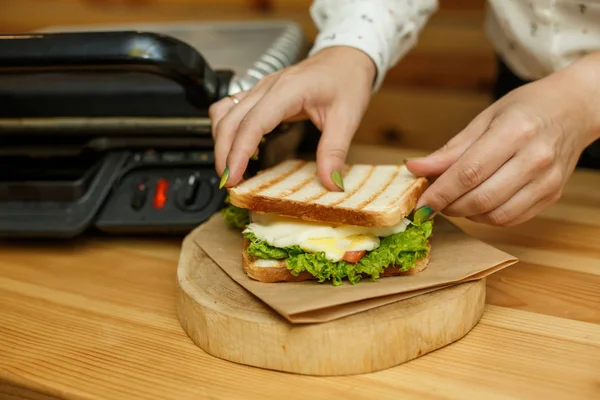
332 88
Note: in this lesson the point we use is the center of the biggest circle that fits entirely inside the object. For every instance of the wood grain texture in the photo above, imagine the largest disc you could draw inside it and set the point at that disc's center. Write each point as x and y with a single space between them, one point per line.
227 321
95 319
418 118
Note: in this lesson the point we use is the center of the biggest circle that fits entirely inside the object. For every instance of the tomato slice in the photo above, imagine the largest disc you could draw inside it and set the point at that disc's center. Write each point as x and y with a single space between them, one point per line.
354 256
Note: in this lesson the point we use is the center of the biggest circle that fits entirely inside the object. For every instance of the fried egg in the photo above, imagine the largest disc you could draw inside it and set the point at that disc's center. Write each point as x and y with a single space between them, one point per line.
335 248
333 240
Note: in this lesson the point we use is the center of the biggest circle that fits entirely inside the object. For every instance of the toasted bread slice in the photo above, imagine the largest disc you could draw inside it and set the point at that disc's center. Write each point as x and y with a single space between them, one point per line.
374 196
271 271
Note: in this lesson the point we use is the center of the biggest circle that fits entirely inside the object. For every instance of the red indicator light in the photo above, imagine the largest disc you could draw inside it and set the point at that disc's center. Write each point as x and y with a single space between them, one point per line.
160 197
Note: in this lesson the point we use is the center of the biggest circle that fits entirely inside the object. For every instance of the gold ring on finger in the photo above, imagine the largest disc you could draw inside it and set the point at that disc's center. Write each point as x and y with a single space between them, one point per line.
234 99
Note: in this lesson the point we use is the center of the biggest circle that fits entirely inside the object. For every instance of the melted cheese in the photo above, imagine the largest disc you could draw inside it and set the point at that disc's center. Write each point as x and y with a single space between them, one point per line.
313 237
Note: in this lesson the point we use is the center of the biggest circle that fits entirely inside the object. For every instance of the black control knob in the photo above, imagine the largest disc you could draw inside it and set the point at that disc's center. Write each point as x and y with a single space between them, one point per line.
190 190
192 193
139 196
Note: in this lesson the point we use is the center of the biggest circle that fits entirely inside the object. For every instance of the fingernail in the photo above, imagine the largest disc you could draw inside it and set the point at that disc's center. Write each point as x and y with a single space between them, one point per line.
423 214
336 177
224 178
409 159
254 156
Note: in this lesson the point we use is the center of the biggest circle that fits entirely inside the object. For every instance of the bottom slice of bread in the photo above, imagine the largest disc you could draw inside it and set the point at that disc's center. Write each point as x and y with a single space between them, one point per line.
271 271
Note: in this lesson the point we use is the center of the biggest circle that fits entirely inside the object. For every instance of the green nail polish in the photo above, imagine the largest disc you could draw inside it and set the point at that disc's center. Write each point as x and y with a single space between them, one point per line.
224 178
254 157
422 214
409 159
336 177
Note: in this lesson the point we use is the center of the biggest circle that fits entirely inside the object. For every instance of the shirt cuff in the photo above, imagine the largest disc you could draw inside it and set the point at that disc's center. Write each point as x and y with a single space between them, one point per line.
384 30
370 29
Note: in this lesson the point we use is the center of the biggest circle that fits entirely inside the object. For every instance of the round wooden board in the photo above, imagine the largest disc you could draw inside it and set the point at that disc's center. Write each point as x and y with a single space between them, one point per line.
228 322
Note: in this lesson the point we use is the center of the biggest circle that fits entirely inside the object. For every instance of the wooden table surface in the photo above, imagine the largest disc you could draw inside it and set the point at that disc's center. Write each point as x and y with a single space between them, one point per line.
94 318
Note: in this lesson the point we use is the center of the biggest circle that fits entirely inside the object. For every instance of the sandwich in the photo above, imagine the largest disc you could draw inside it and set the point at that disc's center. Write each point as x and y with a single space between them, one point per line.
295 230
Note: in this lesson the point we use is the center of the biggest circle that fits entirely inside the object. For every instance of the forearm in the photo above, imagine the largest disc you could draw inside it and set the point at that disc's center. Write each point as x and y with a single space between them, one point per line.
583 77
592 62
385 30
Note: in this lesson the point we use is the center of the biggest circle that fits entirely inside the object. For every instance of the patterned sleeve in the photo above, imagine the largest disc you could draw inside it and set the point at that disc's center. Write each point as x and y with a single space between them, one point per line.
384 29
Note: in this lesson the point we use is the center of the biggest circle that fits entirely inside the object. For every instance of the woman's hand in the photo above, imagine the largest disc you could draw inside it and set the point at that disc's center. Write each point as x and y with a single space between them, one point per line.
332 88
513 160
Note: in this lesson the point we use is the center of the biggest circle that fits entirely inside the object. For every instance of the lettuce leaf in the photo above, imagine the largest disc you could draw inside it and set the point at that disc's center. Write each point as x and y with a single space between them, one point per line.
402 249
260 249
235 217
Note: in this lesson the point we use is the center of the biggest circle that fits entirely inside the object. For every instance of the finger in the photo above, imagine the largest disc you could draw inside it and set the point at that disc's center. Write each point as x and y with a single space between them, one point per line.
274 107
303 116
495 191
219 109
439 161
553 186
333 146
518 208
477 164
528 201
228 126
532 212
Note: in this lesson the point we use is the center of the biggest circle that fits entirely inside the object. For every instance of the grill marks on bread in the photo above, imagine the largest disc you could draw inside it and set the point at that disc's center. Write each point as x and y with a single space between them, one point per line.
269 177
375 195
380 188
298 179
394 193
354 180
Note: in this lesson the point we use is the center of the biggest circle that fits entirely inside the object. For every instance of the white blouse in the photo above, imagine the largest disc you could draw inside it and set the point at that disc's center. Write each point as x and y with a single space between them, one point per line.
533 37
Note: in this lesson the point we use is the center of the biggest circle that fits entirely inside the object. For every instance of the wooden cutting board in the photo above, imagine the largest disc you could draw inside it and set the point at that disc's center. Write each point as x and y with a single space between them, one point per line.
228 322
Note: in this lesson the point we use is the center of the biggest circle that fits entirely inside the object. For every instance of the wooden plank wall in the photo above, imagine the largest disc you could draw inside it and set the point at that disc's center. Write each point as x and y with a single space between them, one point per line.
426 99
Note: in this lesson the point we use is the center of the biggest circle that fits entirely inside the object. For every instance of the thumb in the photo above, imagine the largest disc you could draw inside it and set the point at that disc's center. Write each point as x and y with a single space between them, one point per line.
339 128
439 161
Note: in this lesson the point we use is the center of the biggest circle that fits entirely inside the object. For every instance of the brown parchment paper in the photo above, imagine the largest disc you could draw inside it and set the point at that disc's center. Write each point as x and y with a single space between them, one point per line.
455 258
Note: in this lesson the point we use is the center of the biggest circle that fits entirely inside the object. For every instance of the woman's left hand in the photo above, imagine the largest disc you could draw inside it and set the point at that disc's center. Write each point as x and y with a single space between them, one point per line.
513 160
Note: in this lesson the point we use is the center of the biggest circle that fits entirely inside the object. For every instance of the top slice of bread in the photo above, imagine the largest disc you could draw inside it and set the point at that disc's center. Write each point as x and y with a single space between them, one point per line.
374 196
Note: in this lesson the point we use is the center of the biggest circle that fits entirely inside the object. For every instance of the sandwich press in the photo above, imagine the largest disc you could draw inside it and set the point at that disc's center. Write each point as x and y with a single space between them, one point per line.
107 128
